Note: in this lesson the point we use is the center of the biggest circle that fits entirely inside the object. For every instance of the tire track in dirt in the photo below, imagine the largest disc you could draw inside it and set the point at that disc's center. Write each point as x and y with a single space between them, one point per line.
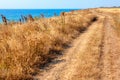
82 60
111 57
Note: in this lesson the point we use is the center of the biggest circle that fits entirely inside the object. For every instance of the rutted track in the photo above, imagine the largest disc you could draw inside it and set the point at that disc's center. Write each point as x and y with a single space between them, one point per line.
81 59
94 55
111 57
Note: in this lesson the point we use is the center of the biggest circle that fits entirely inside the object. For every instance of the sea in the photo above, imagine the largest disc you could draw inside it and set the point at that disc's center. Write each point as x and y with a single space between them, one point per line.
15 14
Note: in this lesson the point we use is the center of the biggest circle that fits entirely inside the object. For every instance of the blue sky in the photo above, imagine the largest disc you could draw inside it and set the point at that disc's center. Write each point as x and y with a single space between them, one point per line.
48 4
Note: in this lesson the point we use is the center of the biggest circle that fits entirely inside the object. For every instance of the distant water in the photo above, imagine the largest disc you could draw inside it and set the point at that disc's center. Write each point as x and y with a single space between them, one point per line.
15 14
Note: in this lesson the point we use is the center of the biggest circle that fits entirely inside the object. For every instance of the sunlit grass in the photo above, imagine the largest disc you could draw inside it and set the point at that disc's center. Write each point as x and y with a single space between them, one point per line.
24 48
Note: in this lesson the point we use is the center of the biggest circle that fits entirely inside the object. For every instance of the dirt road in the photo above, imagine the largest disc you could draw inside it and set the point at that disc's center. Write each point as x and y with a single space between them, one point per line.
94 55
79 57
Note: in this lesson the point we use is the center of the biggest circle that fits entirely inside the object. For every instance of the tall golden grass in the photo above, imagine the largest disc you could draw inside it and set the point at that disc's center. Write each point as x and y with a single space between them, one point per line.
25 48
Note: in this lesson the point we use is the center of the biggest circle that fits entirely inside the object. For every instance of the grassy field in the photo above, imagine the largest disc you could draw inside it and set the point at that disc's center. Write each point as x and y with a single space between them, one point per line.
94 55
116 18
24 48
115 14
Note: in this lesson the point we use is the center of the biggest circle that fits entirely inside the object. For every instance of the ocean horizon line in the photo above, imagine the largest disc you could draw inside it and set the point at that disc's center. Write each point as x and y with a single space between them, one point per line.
15 14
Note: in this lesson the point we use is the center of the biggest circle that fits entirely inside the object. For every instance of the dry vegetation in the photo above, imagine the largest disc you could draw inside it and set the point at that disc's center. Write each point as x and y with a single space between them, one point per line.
114 13
116 18
94 55
24 48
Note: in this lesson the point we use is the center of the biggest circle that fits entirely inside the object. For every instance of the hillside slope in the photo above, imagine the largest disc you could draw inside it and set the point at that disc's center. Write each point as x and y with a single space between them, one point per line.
77 45
94 55
81 59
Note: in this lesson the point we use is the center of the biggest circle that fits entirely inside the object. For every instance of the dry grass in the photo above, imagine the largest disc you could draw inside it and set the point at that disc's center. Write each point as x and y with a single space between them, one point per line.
116 18
25 48
114 14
